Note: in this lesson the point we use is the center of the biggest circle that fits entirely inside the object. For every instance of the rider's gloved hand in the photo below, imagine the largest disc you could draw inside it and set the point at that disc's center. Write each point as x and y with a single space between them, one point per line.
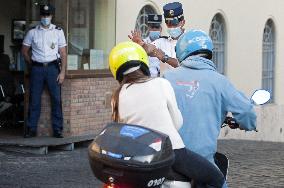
231 122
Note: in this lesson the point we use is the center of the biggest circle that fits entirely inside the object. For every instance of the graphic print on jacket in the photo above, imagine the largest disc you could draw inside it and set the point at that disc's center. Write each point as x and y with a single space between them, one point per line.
192 87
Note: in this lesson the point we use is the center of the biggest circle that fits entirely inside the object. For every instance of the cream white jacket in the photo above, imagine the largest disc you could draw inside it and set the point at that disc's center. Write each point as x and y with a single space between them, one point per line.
152 104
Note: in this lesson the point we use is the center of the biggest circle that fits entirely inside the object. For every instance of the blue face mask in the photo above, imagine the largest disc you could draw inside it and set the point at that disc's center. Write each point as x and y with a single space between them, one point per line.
45 21
175 32
154 35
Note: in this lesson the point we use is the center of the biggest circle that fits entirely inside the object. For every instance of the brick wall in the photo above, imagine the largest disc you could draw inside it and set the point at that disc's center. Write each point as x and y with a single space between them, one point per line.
86 106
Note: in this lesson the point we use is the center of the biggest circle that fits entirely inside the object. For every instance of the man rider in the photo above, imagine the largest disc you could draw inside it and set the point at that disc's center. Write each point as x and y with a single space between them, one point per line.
204 96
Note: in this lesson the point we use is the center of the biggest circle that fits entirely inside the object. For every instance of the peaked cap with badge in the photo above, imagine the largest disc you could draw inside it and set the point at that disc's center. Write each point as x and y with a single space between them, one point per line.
46 9
173 13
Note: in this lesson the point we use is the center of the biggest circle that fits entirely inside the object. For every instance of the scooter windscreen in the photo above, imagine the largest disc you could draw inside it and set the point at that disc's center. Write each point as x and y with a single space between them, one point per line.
131 155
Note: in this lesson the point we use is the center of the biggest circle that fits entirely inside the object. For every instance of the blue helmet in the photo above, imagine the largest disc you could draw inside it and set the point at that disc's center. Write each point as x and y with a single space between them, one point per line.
193 42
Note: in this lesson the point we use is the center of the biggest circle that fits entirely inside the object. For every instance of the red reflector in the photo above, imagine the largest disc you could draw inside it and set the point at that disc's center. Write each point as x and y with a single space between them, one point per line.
110 186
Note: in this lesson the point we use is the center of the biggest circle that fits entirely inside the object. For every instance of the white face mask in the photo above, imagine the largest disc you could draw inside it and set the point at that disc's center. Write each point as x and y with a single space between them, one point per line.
175 32
45 21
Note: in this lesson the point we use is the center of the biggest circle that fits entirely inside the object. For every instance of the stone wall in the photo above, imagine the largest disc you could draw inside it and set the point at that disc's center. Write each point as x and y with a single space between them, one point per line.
270 125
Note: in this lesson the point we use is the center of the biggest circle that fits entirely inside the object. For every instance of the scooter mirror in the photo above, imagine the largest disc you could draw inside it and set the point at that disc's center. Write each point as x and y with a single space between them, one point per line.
260 97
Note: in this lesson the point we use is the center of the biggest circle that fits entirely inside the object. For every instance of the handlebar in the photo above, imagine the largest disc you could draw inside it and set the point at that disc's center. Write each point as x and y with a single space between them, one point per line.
232 123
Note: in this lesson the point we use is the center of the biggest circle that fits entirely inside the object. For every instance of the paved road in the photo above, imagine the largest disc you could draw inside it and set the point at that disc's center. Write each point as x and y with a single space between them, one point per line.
252 164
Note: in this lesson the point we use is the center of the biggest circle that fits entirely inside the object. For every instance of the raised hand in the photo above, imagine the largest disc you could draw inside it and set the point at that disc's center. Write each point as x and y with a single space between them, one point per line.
136 37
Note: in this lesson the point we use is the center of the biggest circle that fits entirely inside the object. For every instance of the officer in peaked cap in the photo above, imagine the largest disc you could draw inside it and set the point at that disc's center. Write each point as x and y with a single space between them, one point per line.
164 47
154 32
154 27
48 64
174 19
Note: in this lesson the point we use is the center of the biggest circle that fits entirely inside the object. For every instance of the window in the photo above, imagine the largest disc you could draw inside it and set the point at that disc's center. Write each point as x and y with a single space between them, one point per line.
91 33
141 22
268 58
217 34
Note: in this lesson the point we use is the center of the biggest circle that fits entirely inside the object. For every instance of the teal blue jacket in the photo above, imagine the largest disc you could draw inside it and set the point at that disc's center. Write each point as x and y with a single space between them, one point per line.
204 97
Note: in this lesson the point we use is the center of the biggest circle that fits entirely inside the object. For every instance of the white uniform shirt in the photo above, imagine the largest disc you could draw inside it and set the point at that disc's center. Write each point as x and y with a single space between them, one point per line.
45 43
154 62
167 45
155 108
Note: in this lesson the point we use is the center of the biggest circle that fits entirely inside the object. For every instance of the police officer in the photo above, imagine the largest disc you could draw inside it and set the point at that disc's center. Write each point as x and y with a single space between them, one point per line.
48 64
164 48
154 27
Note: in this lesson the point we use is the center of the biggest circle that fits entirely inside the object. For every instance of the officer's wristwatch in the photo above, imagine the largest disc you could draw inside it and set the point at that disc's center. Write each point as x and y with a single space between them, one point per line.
165 58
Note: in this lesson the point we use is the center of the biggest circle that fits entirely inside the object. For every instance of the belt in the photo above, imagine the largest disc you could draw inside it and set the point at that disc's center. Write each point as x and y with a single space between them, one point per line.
44 64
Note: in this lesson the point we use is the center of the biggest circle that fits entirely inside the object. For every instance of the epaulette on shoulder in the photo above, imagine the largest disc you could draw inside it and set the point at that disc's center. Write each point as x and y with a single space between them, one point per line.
32 28
164 37
58 28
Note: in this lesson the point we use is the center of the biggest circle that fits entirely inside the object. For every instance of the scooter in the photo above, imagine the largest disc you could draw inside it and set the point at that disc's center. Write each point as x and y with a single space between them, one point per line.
131 156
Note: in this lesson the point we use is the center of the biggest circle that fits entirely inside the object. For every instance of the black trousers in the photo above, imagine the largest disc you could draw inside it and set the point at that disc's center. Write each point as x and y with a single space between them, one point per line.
197 168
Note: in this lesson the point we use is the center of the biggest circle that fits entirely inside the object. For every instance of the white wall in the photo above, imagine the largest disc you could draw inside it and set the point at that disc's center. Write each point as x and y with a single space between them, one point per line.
245 21
269 126
244 24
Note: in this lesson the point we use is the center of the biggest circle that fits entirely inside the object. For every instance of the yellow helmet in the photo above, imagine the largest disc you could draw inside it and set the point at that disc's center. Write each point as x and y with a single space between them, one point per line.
126 55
